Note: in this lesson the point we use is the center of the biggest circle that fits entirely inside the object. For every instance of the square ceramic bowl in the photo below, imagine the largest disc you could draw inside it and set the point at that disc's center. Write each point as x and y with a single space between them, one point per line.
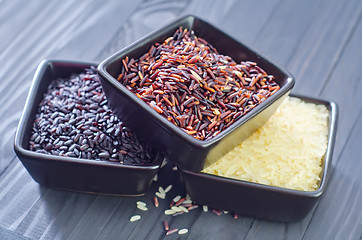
186 151
258 200
73 173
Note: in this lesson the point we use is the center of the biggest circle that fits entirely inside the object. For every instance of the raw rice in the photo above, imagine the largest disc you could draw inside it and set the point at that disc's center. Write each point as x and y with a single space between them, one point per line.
172 231
143 208
175 199
161 190
284 152
176 209
140 203
182 208
155 201
205 208
183 231
165 225
162 196
168 188
135 218
169 211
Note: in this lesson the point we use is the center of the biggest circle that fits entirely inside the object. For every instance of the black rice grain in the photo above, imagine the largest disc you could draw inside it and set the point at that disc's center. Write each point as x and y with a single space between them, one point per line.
74 120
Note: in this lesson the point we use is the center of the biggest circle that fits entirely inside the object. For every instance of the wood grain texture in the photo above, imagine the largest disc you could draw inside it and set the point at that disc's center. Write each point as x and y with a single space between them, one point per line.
318 42
42 31
342 201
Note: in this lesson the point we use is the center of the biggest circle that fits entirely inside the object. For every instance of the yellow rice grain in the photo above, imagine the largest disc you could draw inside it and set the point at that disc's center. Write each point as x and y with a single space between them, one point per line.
284 152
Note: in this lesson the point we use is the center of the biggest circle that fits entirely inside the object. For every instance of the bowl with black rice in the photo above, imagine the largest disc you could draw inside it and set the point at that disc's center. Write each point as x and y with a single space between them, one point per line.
68 138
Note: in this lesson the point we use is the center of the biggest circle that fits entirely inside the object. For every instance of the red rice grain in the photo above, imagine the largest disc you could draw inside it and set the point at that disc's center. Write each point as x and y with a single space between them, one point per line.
201 91
172 231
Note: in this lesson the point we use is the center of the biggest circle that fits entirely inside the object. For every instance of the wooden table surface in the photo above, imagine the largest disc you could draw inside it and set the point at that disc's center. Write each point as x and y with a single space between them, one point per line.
319 42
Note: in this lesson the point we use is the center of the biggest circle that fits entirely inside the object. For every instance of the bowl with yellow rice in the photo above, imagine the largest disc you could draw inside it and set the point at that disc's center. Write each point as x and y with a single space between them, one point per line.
280 171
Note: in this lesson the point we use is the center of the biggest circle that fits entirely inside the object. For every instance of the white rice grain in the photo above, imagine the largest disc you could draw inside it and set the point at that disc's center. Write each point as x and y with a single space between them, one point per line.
175 199
161 190
168 188
183 231
176 209
287 151
140 203
205 208
187 201
162 196
143 208
169 212
135 218
182 208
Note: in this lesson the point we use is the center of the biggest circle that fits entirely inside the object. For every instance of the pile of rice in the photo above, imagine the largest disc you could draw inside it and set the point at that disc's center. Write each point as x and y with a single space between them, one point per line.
284 152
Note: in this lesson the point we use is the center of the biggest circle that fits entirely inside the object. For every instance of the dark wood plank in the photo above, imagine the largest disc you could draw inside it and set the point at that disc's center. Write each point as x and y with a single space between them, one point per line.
19 194
67 217
342 201
150 16
313 25
41 31
321 45
345 85
287 24
318 41
43 212
338 215
13 30
6 234
50 28
226 15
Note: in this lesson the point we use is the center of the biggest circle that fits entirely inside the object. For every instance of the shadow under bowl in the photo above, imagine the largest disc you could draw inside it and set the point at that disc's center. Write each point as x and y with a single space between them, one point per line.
75 174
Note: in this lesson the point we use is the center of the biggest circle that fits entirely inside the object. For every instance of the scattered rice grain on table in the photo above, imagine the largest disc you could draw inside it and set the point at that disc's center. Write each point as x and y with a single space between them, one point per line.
285 152
165 225
135 218
143 208
140 203
155 201
169 212
168 188
172 231
183 231
162 196
176 199
205 208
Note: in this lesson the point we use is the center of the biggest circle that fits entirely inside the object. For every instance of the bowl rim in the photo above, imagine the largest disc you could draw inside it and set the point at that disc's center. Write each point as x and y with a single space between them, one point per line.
161 119
26 116
333 123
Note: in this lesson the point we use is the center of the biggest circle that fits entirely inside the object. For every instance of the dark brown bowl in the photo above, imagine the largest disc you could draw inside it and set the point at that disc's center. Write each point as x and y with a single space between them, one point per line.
183 149
73 173
258 200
